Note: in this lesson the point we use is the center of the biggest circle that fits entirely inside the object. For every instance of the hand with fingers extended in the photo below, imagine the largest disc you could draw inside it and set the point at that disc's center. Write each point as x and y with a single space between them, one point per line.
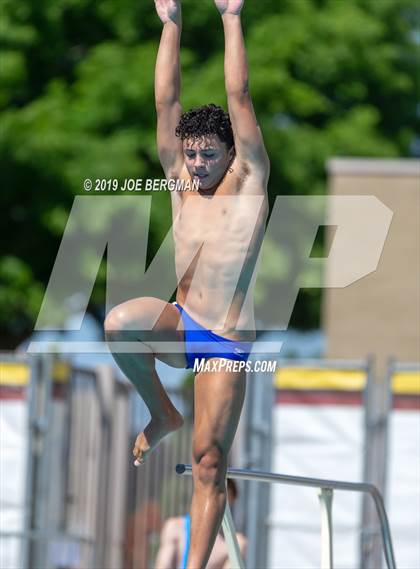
168 10
229 6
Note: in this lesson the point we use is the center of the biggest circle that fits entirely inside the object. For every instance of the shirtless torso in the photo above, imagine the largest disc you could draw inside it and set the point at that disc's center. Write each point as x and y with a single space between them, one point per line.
217 287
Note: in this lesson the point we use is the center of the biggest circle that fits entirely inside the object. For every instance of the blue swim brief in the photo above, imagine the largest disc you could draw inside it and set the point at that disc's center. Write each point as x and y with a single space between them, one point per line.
197 340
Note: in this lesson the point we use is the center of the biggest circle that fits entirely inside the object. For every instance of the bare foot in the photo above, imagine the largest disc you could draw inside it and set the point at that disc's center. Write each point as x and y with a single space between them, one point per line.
152 435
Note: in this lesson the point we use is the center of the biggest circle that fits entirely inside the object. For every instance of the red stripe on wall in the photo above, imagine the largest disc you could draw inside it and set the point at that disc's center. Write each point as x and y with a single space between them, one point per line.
19 393
9 392
318 397
406 402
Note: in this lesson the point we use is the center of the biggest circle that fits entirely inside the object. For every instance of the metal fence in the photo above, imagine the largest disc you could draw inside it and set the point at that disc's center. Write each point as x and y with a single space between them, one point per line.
81 503
372 461
84 504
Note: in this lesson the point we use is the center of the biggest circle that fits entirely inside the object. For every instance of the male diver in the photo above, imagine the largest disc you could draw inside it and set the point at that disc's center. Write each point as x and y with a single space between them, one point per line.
218 231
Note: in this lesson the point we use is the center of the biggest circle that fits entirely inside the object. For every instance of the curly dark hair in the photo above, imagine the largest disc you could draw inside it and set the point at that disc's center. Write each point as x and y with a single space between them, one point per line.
208 119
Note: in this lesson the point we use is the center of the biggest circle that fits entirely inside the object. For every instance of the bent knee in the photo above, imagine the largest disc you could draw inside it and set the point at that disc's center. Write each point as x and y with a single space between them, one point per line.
134 315
210 466
135 318
122 320
117 319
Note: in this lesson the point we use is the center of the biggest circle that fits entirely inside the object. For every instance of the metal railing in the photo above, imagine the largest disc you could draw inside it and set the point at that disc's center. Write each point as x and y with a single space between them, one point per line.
80 501
326 488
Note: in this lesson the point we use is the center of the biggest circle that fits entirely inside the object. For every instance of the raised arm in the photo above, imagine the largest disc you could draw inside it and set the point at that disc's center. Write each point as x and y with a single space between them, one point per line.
168 87
248 138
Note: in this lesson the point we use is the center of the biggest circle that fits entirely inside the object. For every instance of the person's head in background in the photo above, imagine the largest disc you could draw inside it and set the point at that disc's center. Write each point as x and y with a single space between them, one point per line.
232 491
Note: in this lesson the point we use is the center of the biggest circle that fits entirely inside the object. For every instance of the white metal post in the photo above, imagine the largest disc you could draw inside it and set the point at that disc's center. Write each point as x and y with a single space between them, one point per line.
326 497
326 485
229 532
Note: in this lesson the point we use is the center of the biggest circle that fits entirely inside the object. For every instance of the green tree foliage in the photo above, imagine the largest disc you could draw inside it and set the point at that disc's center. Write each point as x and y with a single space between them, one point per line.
328 77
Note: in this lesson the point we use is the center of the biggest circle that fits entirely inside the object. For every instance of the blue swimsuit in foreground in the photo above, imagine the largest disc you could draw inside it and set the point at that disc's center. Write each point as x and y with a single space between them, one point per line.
187 527
197 340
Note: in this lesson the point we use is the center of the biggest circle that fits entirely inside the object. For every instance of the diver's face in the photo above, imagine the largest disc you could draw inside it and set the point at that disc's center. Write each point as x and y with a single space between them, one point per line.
207 160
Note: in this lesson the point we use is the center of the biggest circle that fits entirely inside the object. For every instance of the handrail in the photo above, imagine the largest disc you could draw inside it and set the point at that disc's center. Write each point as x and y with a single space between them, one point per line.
318 483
